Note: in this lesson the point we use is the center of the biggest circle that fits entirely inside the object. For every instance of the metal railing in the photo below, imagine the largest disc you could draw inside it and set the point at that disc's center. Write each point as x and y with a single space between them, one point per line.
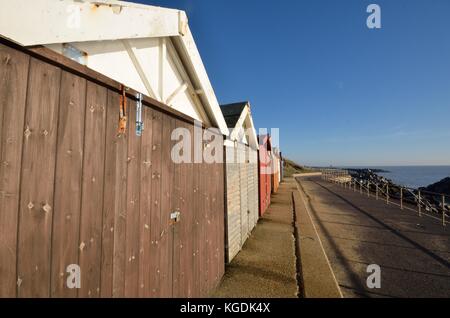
425 203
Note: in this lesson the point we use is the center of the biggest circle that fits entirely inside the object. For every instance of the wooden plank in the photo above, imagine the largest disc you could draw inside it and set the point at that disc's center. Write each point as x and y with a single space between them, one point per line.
166 234
217 209
155 224
203 230
13 92
68 181
115 204
93 186
221 223
196 233
37 180
146 204
133 196
189 236
177 187
208 225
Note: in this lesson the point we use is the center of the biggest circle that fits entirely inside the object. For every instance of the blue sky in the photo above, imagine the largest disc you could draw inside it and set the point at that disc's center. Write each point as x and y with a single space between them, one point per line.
340 93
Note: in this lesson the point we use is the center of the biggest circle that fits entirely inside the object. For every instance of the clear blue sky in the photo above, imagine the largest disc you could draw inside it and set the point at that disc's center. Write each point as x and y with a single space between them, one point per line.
340 93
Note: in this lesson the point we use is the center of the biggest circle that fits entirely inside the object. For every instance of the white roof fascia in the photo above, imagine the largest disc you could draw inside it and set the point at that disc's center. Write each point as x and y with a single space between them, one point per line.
188 51
88 20
43 22
253 142
245 118
236 130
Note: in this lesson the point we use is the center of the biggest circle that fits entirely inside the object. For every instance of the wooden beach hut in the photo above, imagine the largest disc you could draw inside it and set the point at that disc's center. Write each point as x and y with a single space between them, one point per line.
90 93
265 174
276 168
241 177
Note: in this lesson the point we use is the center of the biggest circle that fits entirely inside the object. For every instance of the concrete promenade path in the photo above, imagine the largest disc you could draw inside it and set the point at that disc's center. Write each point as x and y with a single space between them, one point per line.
413 252
266 265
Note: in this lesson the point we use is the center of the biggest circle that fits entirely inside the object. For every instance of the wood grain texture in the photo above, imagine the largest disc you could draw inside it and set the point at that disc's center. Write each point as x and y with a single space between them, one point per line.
146 205
155 223
114 206
13 91
74 192
37 180
68 181
90 243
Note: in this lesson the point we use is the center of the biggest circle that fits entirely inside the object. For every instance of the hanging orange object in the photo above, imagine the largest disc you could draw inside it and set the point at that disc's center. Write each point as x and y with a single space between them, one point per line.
122 112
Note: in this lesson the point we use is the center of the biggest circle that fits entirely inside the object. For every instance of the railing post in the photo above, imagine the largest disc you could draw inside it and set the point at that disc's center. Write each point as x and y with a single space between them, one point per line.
376 191
401 198
387 193
443 210
419 205
368 189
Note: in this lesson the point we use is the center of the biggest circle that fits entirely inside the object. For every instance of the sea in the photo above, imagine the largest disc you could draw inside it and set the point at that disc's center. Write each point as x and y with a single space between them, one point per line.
413 176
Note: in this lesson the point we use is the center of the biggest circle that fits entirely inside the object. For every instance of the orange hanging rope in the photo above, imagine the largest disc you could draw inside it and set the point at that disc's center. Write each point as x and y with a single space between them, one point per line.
122 112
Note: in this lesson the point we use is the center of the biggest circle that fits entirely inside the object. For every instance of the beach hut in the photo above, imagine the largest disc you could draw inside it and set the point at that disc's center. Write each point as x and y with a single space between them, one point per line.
90 94
281 167
276 164
265 174
241 176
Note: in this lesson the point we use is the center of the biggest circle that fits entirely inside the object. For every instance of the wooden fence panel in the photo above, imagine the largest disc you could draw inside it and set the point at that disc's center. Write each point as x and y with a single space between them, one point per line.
76 192
177 188
196 229
115 204
145 204
68 181
166 234
13 91
93 187
155 225
133 207
38 170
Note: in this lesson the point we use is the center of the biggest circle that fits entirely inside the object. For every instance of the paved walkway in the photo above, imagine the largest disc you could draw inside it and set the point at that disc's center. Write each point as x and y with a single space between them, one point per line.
413 252
266 266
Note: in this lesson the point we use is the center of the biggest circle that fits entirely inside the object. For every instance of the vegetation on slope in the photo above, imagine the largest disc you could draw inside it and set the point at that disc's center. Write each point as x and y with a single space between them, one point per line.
291 167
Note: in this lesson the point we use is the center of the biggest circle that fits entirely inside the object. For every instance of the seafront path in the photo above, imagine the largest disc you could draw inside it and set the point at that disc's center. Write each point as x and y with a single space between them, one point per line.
412 252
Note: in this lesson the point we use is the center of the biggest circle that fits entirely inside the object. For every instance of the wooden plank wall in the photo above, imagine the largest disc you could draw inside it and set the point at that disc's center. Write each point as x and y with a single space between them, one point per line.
73 191
242 196
264 178
233 244
253 198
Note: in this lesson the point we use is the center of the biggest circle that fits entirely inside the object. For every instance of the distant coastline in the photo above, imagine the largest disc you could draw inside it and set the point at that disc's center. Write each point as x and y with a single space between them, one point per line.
408 176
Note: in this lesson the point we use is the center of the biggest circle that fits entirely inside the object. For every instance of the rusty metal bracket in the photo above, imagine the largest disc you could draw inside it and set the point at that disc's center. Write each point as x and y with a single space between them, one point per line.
122 111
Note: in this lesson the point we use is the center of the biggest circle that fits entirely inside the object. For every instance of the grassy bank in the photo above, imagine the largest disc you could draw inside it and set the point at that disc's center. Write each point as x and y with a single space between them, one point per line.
291 167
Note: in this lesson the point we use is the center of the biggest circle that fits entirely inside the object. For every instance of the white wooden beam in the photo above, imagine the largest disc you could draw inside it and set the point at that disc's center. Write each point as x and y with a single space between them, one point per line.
188 49
176 92
192 92
239 124
41 22
162 59
151 92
